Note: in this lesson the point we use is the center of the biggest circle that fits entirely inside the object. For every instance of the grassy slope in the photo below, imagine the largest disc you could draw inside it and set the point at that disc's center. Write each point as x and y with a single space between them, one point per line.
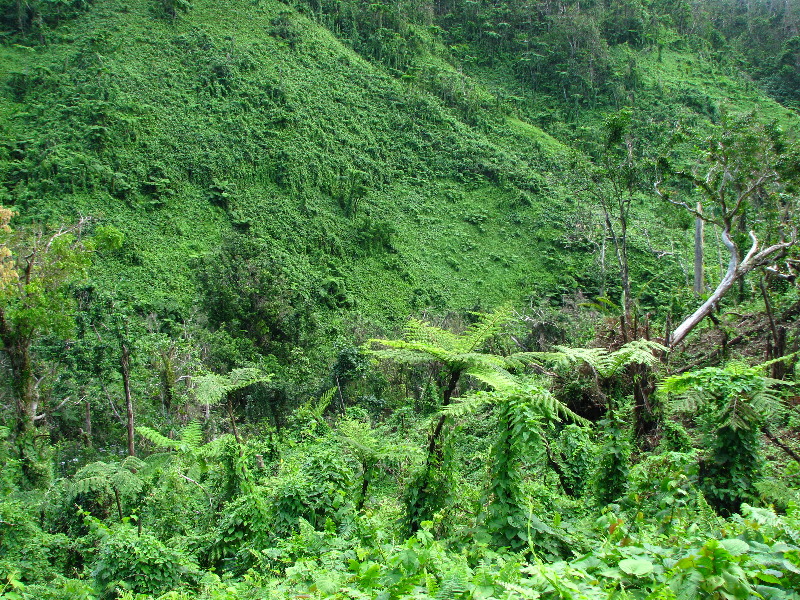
317 149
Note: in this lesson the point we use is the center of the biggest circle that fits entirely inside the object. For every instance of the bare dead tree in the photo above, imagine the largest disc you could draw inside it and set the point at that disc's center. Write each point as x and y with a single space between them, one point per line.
740 175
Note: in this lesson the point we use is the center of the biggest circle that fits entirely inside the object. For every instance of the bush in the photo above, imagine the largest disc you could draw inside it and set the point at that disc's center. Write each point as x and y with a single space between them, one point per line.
25 549
140 563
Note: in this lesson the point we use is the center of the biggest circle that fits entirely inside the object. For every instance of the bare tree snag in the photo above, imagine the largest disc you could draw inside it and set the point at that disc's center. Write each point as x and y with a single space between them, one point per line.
125 369
742 183
736 270
699 228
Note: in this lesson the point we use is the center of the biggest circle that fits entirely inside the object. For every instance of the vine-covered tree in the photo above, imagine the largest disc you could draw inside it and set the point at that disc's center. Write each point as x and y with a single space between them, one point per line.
36 269
731 405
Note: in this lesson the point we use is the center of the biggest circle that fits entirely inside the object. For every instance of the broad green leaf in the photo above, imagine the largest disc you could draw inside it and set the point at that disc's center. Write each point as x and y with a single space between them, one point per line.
767 578
636 566
735 546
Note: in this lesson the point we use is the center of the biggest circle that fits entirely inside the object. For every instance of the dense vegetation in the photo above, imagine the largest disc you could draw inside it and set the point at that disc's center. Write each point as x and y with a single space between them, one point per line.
431 299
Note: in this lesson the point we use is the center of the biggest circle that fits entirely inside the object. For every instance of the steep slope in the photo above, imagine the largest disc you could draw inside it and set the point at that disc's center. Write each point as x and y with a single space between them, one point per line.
245 143
256 118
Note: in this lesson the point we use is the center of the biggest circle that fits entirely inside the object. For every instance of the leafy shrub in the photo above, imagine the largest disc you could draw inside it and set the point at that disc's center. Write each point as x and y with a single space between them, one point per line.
665 486
674 437
245 522
140 563
25 549
170 9
320 489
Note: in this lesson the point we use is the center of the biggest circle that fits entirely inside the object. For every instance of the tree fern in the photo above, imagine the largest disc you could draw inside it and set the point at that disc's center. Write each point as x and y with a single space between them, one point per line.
458 355
371 451
453 585
189 440
739 396
159 441
531 390
122 480
192 435
730 404
101 476
423 343
213 388
523 412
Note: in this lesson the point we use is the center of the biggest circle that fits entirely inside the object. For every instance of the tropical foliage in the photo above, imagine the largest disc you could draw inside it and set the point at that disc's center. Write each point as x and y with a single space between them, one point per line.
250 254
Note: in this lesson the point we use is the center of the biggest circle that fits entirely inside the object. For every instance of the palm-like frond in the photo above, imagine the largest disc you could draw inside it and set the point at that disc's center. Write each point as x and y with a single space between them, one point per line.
739 396
368 445
100 476
213 388
545 403
487 326
469 404
493 375
132 463
214 448
189 439
192 436
637 352
427 334
423 342
157 439
526 390
606 364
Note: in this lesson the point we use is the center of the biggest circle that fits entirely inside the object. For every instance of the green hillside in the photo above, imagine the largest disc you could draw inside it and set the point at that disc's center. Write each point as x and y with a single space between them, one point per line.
345 299
222 123
391 194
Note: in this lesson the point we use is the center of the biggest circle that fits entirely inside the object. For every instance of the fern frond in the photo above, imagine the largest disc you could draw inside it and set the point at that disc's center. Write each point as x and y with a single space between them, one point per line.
160 441
453 586
100 476
544 402
424 333
242 378
324 402
407 351
564 357
84 485
604 363
494 377
214 448
213 388
191 436
158 460
640 352
132 463
469 404
125 482
487 325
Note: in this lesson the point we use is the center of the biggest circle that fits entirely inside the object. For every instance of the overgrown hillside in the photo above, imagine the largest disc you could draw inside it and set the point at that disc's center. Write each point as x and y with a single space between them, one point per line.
451 299
363 182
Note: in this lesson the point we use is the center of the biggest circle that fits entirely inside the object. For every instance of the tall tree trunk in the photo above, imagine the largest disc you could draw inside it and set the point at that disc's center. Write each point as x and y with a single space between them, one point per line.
434 447
229 404
621 251
87 426
699 227
24 385
125 368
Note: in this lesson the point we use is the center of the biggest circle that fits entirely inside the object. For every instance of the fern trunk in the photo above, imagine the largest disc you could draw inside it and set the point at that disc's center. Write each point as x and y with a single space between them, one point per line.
434 447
